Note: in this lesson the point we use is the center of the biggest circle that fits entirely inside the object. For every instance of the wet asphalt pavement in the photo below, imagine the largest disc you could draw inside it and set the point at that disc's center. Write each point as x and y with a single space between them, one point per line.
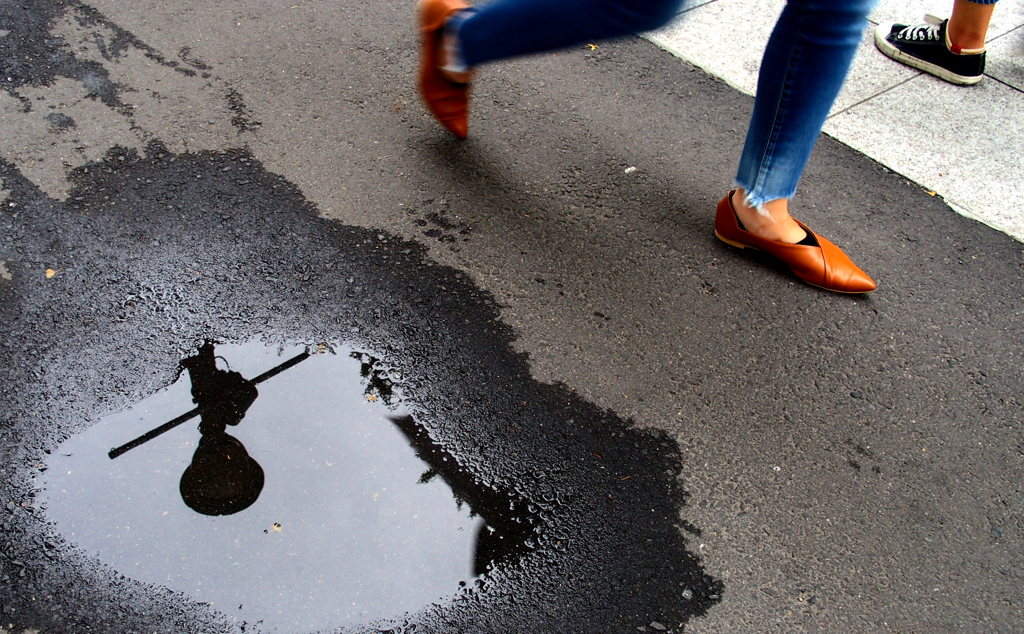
702 441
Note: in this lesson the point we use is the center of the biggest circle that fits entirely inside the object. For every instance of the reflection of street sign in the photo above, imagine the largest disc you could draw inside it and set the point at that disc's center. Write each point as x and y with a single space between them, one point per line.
171 424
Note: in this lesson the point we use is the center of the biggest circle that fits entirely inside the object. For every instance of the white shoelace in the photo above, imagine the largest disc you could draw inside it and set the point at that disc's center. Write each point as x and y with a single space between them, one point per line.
927 32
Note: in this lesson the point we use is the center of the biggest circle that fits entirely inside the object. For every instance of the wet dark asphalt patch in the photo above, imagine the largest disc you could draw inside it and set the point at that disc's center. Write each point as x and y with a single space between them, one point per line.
153 254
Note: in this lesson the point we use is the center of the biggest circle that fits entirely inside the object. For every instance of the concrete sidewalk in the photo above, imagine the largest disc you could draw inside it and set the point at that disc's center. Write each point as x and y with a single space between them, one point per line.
965 144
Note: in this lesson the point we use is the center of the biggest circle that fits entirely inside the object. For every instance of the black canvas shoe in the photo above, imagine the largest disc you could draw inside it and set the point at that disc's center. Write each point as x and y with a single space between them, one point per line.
927 47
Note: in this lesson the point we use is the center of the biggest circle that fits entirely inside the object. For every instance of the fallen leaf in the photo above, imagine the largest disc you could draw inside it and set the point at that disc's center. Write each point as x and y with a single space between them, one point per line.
372 398
932 193
592 47
50 273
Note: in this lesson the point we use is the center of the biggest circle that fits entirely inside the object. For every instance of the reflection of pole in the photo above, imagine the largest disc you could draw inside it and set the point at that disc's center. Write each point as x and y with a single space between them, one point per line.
171 424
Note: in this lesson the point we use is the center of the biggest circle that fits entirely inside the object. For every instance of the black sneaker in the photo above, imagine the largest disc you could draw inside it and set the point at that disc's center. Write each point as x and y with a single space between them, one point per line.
926 47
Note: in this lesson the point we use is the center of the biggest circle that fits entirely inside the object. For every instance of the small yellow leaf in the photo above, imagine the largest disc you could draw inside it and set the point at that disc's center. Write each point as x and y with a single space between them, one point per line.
592 47
372 398
50 273
932 193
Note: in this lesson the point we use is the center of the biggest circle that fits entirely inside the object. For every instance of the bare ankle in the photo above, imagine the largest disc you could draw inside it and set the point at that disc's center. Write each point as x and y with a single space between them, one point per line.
968 26
964 41
771 221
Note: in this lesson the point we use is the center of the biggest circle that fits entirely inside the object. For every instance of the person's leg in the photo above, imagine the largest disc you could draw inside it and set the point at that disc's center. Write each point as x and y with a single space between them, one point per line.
511 28
803 68
968 25
457 37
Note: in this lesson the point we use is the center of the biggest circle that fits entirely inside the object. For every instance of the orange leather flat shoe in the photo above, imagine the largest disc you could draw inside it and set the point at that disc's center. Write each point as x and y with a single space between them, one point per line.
823 264
448 101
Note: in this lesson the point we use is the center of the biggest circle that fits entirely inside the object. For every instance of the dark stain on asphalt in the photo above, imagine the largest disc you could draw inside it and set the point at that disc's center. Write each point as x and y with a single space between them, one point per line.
60 122
156 253
185 55
31 54
434 214
241 118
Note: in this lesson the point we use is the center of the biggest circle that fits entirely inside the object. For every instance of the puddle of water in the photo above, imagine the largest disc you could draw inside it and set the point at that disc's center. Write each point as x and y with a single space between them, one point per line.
312 505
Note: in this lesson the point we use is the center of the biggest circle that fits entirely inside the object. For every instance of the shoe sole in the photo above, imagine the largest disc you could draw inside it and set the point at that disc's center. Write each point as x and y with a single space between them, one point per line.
740 245
892 52
733 243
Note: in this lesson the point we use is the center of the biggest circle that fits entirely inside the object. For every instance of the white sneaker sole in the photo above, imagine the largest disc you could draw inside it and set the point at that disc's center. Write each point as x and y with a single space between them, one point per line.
891 51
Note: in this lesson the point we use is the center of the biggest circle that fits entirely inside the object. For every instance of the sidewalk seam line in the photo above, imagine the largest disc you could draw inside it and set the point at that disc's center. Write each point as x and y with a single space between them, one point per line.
1000 81
878 94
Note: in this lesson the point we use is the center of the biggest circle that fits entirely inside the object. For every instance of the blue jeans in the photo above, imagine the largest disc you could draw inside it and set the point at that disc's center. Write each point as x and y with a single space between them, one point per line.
804 66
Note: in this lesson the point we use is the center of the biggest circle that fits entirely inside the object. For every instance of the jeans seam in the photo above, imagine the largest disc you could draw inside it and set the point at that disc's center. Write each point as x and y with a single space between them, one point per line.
782 109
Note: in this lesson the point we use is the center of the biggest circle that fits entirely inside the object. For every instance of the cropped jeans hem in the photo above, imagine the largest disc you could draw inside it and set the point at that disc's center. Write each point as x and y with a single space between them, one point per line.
803 68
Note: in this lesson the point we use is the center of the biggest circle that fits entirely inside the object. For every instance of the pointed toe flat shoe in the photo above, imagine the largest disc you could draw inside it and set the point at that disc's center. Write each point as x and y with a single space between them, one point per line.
822 264
448 101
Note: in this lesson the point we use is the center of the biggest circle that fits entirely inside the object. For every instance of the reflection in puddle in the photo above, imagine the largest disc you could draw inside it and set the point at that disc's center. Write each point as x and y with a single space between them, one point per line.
326 505
222 478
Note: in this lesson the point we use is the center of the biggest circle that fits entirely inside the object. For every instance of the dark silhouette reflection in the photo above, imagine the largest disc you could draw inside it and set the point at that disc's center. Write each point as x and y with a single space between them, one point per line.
221 396
223 478
377 385
218 412
507 527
